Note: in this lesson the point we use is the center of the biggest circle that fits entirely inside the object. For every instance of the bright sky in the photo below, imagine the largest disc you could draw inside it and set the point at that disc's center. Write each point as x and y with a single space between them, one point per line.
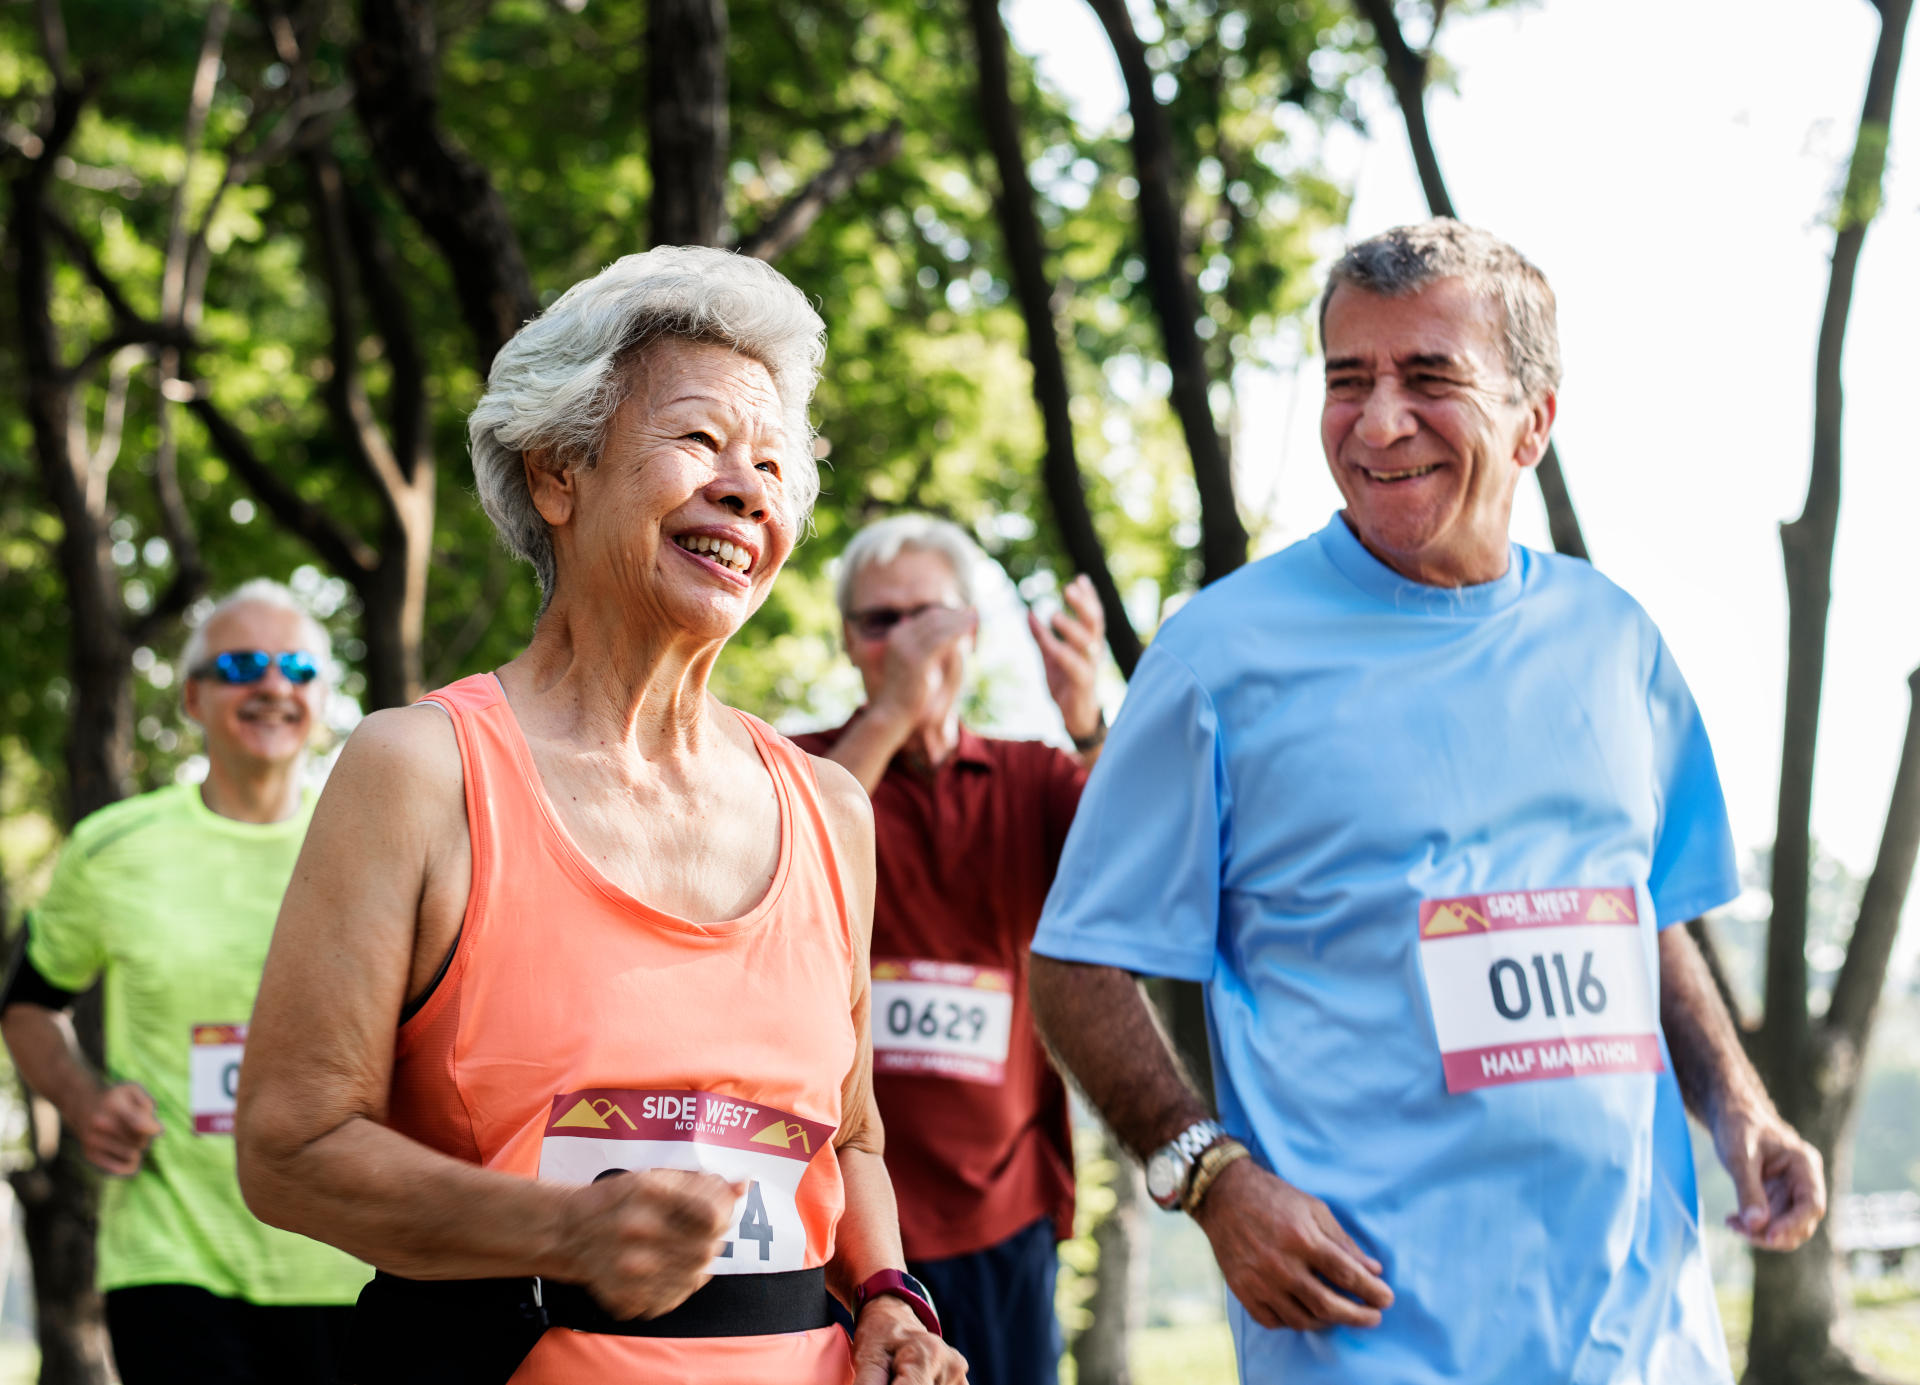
1668 167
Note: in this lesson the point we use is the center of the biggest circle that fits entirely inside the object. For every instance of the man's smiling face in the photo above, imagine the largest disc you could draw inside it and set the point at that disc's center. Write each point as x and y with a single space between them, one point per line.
1424 429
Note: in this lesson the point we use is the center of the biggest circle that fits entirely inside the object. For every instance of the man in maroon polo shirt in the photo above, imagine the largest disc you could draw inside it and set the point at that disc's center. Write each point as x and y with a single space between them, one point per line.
968 831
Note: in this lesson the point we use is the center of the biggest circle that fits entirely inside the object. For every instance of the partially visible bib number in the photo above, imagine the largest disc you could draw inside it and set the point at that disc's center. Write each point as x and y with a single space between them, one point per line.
1536 984
941 1019
213 1076
591 1134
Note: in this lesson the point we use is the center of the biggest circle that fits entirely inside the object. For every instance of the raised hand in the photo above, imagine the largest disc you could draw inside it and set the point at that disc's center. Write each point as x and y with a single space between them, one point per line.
925 663
641 1242
1070 648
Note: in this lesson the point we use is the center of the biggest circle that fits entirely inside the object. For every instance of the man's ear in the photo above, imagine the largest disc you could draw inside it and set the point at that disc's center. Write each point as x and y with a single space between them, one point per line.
190 700
550 485
1533 442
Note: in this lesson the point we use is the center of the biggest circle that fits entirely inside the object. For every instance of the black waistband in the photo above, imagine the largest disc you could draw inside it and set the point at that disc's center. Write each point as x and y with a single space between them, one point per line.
478 1331
728 1305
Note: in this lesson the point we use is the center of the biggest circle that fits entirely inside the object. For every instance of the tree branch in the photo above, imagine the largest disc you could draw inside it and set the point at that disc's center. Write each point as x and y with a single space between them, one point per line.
1026 254
687 120
850 163
1856 991
409 424
1807 545
1175 297
445 189
308 119
346 391
1407 74
338 547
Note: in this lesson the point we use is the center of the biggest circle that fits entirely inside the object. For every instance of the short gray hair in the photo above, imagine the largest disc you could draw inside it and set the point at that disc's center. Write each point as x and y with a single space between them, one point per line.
557 383
1406 259
260 591
885 539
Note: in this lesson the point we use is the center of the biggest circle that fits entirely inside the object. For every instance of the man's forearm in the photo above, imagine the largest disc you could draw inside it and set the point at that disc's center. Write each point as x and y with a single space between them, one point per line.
868 746
1099 1024
48 1057
1709 1063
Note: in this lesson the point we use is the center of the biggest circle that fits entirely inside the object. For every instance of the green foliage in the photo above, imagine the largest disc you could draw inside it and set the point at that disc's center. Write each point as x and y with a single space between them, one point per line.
926 402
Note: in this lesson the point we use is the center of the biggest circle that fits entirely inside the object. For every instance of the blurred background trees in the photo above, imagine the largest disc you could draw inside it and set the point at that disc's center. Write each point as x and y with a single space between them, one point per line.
258 255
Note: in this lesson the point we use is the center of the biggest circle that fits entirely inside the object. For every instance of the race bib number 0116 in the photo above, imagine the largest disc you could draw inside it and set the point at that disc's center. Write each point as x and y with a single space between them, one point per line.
941 1019
591 1134
1533 984
213 1076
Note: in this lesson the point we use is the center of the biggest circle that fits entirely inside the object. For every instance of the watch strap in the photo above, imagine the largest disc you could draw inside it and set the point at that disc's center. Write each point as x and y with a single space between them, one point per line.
901 1285
1212 1163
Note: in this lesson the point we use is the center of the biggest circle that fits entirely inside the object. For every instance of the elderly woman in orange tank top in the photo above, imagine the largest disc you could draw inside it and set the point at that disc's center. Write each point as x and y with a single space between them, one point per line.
564 1028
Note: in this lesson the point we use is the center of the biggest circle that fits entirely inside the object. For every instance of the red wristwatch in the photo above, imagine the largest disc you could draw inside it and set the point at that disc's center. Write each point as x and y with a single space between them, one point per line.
903 1286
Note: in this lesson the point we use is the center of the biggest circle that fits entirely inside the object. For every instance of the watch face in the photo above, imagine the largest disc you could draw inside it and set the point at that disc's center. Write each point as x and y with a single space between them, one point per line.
1163 1177
920 1289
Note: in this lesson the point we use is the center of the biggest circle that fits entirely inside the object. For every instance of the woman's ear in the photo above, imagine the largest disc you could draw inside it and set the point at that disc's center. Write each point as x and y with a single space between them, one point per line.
550 485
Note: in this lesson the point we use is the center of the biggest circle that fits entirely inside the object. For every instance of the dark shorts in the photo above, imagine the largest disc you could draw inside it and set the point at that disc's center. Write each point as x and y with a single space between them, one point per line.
996 1306
170 1334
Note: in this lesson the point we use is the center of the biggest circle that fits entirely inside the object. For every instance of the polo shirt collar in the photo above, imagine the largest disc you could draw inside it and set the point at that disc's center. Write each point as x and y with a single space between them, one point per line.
972 750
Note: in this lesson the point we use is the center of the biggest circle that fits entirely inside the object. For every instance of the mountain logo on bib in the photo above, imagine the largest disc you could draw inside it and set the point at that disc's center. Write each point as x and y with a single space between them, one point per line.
1453 916
784 1133
593 1115
1608 907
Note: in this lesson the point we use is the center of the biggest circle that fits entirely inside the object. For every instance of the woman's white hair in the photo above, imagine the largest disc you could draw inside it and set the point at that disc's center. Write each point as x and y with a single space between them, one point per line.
885 539
557 383
260 591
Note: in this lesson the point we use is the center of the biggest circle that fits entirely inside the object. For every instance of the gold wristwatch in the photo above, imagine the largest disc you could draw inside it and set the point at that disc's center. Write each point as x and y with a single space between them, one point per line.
1212 1162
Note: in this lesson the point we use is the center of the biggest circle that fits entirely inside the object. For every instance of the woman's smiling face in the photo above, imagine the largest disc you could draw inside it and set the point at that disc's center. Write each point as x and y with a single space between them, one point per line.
684 519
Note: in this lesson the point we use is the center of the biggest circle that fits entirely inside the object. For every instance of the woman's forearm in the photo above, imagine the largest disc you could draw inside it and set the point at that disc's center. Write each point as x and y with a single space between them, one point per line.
408 1209
868 1239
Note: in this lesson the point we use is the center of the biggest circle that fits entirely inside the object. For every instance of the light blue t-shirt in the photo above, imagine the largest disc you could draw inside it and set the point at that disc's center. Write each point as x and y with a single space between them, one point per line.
1314 749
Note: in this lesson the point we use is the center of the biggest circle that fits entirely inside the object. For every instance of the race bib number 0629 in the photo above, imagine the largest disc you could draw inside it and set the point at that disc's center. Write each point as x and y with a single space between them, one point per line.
591 1134
1534 984
941 1019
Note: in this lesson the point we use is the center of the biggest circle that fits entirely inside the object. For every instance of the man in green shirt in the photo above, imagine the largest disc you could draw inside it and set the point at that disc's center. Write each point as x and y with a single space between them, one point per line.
169 900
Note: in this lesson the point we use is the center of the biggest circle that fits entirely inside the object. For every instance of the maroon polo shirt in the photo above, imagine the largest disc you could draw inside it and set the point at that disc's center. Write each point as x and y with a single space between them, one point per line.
978 1140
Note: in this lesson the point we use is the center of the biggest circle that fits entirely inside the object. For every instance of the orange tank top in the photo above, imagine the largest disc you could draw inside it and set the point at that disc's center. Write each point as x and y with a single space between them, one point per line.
576 1030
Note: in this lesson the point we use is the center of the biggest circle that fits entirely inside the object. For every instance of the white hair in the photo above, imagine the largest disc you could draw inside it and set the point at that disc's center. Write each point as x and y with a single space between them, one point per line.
885 539
557 383
260 591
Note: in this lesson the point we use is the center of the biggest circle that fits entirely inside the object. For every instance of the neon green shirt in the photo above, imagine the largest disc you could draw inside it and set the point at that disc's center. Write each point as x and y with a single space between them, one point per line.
173 905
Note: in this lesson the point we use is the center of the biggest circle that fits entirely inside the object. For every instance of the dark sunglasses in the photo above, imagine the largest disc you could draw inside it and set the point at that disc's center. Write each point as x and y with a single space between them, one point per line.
250 666
877 622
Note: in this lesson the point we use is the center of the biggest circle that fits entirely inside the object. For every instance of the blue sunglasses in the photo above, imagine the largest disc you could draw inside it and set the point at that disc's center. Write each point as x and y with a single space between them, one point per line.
250 666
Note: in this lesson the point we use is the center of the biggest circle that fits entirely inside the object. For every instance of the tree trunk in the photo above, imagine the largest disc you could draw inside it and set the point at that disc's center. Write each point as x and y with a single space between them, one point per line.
446 190
1176 298
57 1195
1813 1067
1026 254
1100 1353
1407 74
687 120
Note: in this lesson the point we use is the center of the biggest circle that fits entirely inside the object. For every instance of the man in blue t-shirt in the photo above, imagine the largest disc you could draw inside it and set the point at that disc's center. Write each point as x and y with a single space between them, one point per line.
1421 808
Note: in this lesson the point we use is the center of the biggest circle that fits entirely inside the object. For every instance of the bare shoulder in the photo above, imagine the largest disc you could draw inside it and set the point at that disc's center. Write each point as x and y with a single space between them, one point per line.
849 811
410 751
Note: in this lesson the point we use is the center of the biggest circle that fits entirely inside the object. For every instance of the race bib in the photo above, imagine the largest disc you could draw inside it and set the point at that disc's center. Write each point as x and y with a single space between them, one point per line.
1533 984
594 1133
942 1019
213 1076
